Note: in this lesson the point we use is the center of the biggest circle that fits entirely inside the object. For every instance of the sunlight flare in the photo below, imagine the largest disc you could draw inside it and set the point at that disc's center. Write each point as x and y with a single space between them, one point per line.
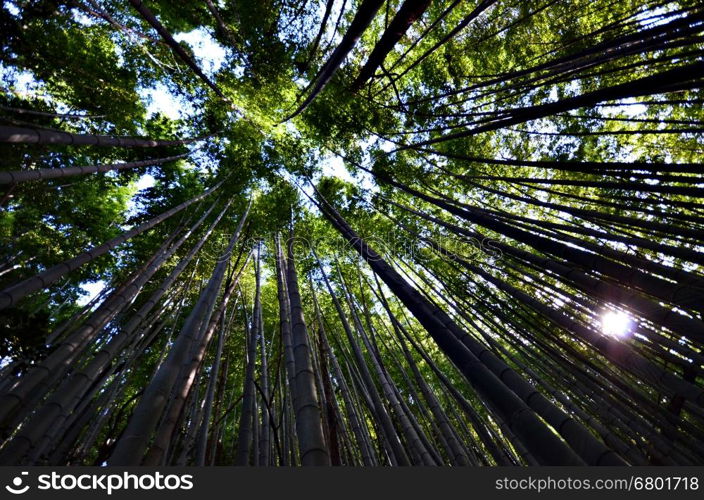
615 324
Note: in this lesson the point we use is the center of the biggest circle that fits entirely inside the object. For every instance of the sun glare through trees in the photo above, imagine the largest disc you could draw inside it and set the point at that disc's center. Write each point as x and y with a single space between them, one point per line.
614 323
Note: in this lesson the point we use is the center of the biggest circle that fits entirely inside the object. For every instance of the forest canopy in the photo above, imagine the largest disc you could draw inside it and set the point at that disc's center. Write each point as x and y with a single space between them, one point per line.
351 232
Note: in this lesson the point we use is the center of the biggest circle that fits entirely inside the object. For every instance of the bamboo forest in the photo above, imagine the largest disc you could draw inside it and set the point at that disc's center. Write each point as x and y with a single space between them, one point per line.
352 232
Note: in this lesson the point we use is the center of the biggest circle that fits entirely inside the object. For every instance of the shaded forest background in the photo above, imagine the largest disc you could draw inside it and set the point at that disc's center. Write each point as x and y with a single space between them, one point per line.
351 232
